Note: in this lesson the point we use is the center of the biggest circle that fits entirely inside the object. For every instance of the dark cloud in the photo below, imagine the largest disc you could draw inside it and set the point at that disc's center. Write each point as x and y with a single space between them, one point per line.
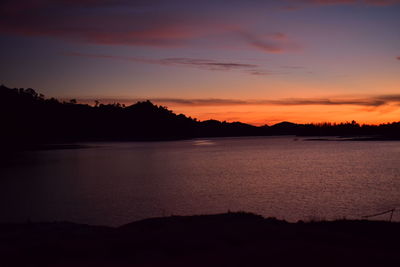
398 58
382 2
344 2
205 64
372 101
390 98
33 4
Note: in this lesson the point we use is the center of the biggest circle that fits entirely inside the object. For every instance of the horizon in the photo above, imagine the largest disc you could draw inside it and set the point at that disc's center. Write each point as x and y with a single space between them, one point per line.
180 106
96 101
258 62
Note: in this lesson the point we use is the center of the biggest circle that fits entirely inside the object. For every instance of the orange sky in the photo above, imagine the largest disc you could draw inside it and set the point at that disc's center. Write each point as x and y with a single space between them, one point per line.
260 115
258 62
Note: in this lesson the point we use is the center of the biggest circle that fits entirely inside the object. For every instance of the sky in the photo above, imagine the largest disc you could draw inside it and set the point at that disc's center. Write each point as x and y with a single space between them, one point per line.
255 61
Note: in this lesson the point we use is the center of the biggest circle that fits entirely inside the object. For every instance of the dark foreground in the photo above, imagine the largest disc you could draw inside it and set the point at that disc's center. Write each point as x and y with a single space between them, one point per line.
232 239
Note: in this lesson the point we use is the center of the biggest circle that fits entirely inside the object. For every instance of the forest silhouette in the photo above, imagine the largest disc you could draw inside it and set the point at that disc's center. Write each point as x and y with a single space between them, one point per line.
29 118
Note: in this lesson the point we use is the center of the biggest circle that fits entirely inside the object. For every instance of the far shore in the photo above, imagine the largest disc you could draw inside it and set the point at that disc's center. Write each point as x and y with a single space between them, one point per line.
354 138
88 143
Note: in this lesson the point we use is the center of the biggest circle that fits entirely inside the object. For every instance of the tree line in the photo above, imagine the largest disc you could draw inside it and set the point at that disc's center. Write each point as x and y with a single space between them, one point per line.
29 117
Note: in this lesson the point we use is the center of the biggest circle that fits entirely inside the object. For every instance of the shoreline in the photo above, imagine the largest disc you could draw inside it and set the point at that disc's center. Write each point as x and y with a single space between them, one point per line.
78 144
229 239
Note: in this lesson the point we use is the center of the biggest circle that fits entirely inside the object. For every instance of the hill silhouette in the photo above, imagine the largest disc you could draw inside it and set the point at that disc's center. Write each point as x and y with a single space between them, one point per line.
230 239
29 118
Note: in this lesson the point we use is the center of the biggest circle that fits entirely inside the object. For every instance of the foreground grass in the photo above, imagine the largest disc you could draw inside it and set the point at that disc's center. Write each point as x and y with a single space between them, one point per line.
231 239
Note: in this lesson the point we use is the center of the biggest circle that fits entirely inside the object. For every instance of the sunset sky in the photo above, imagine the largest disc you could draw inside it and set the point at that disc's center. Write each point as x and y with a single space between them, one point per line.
255 61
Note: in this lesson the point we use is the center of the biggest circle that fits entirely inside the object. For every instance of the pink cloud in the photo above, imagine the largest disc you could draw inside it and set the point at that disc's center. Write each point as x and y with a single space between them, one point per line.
130 23
112 28
115 22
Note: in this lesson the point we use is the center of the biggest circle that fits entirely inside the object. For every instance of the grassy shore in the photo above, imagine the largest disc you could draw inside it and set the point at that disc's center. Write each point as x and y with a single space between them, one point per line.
230 239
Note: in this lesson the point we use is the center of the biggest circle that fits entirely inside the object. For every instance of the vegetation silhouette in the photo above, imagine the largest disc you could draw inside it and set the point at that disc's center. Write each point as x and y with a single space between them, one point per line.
29 118
230 239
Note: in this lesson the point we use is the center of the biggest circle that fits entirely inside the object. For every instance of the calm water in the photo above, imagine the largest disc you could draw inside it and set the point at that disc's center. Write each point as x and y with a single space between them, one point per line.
116 183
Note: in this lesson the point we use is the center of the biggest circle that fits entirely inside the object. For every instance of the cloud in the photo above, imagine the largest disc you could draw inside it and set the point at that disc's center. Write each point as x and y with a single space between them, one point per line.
110 22
346 2
148 23
33 4
374 101
331 2
371 101
382 2
398 58
110 28
270 43
205 64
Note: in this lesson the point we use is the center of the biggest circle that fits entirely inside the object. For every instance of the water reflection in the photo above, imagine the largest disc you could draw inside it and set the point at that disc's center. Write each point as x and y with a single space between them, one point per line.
115 183
203 143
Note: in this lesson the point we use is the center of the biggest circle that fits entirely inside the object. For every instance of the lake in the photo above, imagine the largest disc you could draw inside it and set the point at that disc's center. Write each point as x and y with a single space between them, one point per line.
285 177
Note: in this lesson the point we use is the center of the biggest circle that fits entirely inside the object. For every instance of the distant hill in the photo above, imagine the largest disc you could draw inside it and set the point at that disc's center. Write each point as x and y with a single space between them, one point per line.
28 117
